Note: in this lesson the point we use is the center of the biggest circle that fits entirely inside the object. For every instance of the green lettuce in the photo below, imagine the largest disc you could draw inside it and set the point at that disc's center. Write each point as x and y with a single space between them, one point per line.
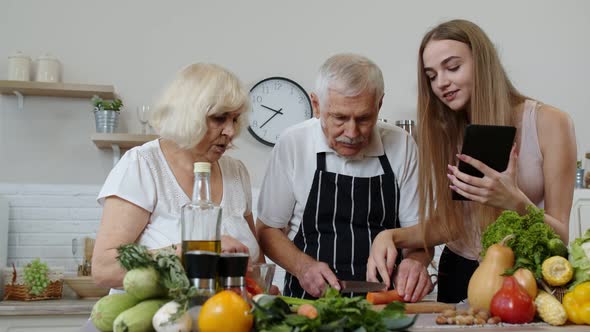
580 258
531 238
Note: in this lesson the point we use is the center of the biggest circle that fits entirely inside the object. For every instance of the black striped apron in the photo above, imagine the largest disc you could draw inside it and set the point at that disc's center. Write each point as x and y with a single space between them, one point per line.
342 216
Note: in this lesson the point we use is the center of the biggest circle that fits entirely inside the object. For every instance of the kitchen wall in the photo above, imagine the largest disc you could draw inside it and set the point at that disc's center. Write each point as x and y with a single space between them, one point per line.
44 219
138 46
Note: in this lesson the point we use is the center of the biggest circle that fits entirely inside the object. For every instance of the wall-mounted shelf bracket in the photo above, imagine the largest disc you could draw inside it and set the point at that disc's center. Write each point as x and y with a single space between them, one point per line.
116 153
20 99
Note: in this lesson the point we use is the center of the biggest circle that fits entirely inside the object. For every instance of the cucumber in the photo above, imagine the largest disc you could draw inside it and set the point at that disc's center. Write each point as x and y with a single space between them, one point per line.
139 317
108 308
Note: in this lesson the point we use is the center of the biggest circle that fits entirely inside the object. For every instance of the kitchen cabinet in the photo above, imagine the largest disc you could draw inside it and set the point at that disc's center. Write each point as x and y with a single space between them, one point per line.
51 315
116 142
580 214
69 90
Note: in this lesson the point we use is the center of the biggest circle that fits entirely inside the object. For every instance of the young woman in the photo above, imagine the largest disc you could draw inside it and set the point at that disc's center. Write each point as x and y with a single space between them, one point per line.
461 81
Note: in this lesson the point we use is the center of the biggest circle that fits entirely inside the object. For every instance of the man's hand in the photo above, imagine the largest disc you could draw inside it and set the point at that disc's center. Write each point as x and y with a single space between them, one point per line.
382 258
412 281
313 276
231 245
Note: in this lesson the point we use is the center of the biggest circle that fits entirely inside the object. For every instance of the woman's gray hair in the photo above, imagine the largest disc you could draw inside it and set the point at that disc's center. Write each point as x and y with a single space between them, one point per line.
349 75
199 90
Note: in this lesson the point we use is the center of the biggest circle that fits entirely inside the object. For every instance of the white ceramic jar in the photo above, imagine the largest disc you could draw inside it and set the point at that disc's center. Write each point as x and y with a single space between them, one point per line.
19 67
48 69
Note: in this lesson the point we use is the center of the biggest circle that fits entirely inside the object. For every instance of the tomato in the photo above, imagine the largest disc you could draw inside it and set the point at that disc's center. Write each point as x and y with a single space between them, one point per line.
252 286
225 311
512 303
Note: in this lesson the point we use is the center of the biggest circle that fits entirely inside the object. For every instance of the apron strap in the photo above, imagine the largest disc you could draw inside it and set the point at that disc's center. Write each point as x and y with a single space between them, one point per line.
321 161
385 164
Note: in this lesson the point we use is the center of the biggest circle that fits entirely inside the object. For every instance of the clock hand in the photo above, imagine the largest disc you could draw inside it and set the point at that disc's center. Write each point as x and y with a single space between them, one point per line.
277 112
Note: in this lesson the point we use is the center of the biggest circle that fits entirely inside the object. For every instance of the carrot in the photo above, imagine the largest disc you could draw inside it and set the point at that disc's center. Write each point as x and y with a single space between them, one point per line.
384 297
308 311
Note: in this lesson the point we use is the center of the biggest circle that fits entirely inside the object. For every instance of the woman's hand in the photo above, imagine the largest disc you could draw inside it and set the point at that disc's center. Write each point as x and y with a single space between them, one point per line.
382 257
230 244
412 281
494 189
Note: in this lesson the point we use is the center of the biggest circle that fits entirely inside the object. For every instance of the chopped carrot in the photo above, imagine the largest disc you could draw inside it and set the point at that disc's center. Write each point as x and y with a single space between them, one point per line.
384 297
308 311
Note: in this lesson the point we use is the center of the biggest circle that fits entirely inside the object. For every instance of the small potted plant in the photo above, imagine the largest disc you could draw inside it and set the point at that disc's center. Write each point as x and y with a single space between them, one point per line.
106 114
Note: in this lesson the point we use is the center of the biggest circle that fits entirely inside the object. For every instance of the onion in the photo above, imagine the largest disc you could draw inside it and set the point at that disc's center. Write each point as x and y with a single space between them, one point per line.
527 281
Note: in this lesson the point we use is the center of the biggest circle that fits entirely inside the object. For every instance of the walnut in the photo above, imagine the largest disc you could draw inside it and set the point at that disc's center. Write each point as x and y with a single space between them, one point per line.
441 320
483 315
494 320
479 321
449 313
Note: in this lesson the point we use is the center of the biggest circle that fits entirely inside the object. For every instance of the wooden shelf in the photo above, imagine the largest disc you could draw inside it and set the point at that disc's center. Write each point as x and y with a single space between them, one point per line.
27 88
124 141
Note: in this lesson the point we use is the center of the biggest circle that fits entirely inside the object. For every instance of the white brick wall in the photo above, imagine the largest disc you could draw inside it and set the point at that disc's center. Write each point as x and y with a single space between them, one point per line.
43 220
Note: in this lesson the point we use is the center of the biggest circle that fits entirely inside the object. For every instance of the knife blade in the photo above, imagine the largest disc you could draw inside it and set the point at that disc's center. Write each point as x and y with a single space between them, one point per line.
356 286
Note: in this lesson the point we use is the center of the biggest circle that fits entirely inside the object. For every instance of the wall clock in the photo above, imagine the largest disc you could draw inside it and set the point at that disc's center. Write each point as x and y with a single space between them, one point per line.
277 103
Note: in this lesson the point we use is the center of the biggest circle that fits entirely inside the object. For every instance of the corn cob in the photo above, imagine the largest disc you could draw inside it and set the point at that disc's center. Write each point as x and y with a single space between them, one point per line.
550 309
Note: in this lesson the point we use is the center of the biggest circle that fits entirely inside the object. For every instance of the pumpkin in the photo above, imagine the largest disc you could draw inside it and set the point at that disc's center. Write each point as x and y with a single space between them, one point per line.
487 278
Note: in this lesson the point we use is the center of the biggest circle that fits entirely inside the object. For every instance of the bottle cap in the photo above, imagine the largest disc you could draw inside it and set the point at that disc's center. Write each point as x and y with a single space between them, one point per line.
202 167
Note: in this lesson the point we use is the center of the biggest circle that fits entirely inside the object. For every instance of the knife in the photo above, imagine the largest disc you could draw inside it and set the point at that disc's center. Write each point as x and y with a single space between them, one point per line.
356 286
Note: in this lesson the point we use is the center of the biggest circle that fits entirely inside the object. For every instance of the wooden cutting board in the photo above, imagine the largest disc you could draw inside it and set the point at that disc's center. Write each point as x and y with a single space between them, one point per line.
422 307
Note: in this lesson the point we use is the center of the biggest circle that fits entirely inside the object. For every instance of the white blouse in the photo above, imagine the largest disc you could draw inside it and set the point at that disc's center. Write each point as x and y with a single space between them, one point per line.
144 178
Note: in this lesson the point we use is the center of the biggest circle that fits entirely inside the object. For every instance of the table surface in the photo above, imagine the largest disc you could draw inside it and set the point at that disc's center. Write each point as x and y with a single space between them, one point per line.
424 323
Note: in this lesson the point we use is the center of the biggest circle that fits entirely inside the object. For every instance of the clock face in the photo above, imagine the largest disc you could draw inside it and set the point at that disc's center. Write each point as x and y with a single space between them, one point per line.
277 103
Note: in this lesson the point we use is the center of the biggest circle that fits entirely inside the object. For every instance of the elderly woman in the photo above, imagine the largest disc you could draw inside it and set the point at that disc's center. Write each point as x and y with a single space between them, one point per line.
197 119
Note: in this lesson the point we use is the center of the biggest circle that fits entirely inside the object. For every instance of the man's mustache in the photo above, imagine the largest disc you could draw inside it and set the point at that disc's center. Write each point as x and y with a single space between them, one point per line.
348 140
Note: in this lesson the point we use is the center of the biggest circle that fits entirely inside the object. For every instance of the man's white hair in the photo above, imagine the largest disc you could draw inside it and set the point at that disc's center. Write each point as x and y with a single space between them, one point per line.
349 75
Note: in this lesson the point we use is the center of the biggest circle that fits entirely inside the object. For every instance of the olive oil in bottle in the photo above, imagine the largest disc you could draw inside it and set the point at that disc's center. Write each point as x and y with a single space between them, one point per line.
201 218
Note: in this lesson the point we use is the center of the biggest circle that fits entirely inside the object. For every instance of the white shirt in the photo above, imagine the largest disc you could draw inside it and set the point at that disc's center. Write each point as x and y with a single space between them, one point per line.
144 178
292 165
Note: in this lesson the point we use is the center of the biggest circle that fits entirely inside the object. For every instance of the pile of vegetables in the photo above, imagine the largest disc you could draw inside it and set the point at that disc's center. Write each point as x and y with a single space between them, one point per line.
332 312
524 265
150 283
533 241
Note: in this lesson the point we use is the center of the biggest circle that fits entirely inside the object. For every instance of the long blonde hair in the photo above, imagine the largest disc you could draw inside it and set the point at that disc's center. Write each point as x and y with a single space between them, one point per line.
441 129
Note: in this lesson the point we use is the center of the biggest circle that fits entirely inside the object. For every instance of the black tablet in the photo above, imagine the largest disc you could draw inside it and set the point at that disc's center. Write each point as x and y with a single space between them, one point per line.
489 144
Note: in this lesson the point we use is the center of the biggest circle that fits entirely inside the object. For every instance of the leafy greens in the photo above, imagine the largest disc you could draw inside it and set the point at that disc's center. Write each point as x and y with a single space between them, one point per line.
335 313
533 242
580 258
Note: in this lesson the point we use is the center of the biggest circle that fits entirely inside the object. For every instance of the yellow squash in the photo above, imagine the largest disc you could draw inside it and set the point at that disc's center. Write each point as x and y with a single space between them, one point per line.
487 278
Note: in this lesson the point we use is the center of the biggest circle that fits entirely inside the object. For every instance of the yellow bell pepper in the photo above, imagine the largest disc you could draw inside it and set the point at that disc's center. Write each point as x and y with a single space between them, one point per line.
577 304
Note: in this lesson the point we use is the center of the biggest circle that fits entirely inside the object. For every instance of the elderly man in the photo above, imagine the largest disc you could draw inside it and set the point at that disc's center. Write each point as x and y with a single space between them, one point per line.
335 181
